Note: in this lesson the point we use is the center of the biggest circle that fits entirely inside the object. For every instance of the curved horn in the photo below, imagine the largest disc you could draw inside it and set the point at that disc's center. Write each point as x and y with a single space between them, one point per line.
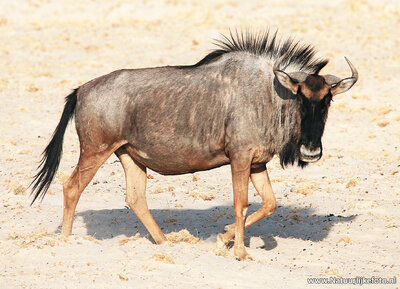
342 85
354 72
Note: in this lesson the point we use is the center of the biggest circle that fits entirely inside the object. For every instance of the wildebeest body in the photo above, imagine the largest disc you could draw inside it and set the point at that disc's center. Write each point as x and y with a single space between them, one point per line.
182 120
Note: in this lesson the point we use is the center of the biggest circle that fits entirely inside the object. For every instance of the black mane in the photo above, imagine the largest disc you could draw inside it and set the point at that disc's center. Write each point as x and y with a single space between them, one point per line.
266 45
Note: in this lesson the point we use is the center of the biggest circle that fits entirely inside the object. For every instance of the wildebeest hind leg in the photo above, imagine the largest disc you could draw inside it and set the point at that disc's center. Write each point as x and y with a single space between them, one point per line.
136 178
89 162
261 182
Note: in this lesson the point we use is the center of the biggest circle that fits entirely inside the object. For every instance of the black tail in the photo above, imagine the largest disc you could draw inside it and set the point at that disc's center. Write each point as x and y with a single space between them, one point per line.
52 154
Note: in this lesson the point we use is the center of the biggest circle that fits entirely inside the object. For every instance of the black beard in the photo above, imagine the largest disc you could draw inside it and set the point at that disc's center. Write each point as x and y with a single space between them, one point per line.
290 154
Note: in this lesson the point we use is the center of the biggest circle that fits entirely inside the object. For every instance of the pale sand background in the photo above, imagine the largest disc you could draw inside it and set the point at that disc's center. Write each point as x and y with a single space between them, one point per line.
339 217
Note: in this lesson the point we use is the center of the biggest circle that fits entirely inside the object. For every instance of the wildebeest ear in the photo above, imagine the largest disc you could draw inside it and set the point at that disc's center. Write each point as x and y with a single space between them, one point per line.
286 81
342 85
283 78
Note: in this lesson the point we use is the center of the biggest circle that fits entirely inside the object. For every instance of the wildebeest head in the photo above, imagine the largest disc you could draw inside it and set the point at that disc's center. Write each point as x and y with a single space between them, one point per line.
314 93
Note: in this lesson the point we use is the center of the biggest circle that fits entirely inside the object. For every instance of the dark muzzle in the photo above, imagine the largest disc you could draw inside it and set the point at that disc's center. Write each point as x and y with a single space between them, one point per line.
310 155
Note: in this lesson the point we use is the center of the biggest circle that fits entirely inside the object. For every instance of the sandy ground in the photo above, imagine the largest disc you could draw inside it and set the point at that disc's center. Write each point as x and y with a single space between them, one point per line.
338 218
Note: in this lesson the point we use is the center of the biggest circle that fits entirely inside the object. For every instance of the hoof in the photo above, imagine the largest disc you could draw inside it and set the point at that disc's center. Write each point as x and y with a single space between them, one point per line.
222 242
161 240
229 227
66 232
241 254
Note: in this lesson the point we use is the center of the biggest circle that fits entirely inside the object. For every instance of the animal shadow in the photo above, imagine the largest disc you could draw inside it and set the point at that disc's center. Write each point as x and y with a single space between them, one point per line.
285 222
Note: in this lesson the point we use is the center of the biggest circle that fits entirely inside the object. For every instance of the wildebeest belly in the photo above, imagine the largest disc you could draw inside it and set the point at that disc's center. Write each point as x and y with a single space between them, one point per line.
172 161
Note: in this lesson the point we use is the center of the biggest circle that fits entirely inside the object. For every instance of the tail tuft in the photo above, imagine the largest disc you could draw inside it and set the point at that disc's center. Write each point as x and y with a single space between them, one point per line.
52 154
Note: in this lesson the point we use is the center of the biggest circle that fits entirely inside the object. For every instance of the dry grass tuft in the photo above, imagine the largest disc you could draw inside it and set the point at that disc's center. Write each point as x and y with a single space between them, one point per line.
17 189
157 190
383 123
91 238
182 236
204 196
382 110
123 278
173 220
126 240
163 258
304 189
345 240
351 183
33 88
24 240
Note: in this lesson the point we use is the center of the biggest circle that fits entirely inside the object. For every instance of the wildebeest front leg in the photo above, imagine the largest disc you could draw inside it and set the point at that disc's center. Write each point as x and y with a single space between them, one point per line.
136 179
261 182
240 167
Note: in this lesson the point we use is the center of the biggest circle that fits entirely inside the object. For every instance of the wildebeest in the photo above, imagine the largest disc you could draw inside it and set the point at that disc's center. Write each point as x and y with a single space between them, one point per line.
253 97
